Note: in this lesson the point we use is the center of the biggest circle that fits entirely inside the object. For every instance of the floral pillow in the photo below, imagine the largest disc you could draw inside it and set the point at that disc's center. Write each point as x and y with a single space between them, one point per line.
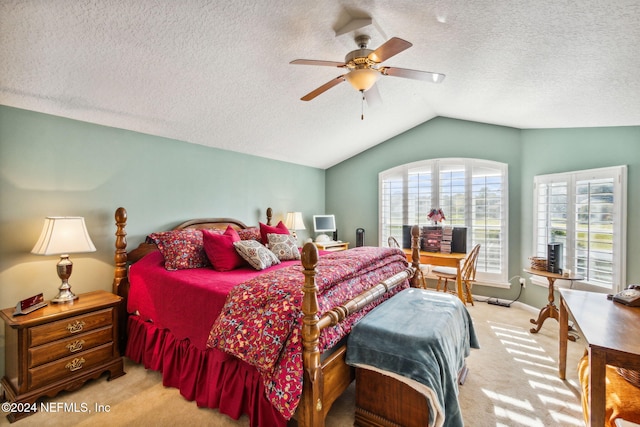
256 254
266 229
251 233
181 249
284 246
220 250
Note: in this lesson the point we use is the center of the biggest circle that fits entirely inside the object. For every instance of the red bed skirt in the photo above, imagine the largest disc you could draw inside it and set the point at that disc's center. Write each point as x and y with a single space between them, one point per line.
211 378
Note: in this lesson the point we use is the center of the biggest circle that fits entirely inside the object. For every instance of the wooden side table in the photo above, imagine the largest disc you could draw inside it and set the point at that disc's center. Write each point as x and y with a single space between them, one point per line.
59 347
332 246
549 310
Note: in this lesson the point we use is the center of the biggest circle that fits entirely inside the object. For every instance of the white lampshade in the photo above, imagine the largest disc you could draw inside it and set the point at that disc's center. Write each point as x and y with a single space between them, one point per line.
63 235
362 79
294 221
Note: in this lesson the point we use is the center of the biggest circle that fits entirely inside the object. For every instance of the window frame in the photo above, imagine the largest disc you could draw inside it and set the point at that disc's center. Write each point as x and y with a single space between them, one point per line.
618 175
434 167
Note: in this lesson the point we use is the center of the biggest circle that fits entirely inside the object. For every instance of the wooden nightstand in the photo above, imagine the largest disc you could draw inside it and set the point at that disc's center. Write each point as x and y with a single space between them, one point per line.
60 347
332 246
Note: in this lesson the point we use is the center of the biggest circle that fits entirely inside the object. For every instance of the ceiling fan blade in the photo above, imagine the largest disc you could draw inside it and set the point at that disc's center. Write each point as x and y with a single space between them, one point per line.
325 87
316 62
388 49
372 96
413 74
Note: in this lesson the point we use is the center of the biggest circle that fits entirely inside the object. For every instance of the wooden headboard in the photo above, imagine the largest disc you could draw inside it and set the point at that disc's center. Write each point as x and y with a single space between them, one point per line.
123 258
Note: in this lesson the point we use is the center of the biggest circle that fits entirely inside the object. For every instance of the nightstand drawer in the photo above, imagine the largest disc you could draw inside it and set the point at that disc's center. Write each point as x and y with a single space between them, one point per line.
43 334
52 351
69 366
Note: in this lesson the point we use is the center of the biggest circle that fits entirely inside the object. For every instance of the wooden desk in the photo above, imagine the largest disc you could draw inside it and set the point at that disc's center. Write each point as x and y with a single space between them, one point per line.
549 310
612 332
444 260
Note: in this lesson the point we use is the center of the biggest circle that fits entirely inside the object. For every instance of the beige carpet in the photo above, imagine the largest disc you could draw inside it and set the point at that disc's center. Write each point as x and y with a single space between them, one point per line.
513 381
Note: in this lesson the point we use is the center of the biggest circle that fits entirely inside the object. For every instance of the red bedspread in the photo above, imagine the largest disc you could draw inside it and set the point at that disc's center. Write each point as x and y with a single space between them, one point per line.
261 320
184 301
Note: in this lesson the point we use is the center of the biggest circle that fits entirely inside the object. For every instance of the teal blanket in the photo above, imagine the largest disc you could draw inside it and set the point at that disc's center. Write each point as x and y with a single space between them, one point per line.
421 335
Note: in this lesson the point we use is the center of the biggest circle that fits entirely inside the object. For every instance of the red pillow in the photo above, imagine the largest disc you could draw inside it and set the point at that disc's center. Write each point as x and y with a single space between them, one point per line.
220 250
266 229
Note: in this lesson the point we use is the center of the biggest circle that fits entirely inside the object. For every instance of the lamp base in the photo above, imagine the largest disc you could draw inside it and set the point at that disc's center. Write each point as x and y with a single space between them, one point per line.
64 296
64 268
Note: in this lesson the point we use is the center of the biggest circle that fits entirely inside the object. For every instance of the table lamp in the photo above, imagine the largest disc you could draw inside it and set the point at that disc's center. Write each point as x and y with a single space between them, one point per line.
63 236
294 222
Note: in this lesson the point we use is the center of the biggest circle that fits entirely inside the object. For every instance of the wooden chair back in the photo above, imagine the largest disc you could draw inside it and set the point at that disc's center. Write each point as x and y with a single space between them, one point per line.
468 271
392 242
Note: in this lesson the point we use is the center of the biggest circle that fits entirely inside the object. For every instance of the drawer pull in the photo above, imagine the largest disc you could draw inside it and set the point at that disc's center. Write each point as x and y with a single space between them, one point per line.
75 346
75 364
75 327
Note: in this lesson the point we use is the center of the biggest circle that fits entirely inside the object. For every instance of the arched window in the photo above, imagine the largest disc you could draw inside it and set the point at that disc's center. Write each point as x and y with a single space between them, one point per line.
471 193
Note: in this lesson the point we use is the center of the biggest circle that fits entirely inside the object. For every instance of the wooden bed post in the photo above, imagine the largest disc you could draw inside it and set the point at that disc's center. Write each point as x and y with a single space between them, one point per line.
311 411
121 249
269 215
120 279
416 280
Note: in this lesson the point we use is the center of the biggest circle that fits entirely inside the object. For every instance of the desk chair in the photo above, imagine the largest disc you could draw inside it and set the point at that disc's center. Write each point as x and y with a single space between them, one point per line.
468 274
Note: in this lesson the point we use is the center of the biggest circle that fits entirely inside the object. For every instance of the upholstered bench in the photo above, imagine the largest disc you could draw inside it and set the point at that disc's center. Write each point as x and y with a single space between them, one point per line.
408 352
622 397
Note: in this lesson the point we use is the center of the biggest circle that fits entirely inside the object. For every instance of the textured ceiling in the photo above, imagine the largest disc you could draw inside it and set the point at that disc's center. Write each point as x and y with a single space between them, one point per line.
217 73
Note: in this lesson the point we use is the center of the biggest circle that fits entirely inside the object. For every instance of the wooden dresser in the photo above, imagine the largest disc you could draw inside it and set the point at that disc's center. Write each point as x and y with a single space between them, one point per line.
60 347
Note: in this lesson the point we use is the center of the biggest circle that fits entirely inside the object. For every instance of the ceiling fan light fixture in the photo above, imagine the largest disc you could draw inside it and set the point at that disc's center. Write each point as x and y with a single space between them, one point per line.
362 79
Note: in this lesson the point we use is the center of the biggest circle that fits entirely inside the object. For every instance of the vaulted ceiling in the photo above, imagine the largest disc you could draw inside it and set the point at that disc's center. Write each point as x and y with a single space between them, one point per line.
218 73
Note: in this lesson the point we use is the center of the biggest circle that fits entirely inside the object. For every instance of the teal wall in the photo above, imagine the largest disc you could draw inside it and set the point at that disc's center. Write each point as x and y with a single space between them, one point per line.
352 186
51 166
546 151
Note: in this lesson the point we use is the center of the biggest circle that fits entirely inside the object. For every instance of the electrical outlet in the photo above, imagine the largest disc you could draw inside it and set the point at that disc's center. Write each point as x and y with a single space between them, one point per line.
523 282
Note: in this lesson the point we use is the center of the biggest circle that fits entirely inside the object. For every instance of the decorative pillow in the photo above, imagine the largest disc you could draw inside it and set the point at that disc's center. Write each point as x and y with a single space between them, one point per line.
266 229
220 250
251 233
181 249
256 254
284 246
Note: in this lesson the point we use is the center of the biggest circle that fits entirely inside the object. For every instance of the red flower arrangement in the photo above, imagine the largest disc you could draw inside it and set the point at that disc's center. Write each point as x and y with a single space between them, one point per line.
436 215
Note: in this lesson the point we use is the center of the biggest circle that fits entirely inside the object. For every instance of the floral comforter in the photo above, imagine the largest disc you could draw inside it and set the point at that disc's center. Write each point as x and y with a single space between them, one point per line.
261 320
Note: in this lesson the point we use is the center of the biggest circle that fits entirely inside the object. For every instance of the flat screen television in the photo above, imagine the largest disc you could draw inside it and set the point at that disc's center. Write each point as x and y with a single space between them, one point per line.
324 224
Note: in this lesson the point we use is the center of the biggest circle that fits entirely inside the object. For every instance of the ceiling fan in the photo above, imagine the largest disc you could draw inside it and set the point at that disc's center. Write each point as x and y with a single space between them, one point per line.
364 68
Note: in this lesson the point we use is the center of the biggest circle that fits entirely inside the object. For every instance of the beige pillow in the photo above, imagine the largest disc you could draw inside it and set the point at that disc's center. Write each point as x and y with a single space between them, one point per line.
256 254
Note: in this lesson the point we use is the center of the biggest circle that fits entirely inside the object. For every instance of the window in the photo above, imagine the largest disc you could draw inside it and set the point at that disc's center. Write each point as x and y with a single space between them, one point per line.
586 212
472 193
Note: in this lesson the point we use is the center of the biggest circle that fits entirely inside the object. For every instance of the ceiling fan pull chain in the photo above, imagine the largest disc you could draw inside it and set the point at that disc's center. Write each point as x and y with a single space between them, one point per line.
362 106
